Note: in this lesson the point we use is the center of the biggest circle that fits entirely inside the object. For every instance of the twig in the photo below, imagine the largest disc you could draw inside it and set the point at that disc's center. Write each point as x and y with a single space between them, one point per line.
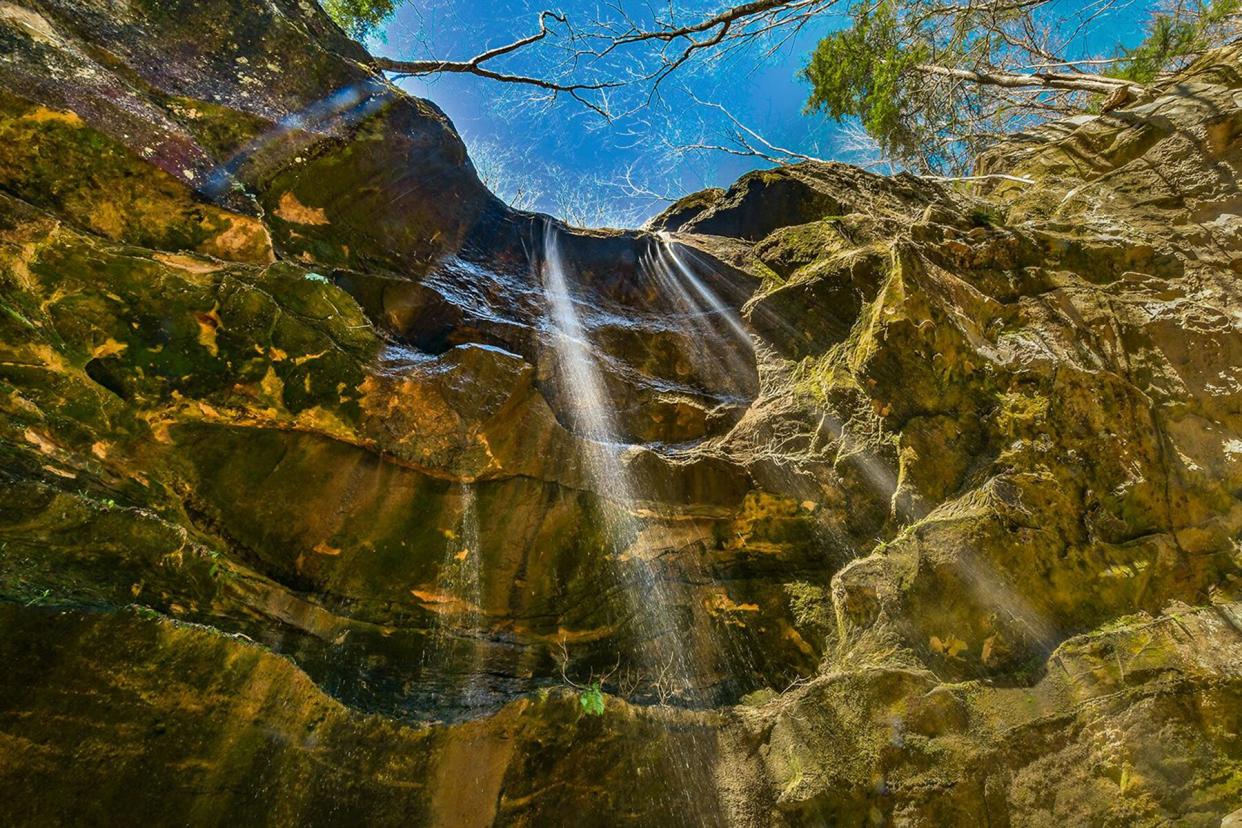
474 66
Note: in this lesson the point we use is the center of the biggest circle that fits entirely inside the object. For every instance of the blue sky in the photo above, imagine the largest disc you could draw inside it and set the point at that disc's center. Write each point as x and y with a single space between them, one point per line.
563 159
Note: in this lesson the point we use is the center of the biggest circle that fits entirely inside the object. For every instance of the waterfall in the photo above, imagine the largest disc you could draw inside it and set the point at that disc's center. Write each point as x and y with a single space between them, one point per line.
452 653
725 354
591 413
460 576
589 406
670 661
674 271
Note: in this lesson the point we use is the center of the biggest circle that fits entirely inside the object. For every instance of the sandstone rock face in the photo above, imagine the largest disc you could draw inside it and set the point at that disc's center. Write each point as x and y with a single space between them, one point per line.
827 499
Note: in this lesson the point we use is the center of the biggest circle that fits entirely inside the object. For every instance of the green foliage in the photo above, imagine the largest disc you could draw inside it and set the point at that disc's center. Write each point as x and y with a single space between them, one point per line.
40 599
1184 32
874 70
218 570
864 71
985 217
592 700
359 17
935 83
146 613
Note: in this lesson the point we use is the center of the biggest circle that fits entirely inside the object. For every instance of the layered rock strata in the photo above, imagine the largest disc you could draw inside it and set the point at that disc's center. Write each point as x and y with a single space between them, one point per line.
932 492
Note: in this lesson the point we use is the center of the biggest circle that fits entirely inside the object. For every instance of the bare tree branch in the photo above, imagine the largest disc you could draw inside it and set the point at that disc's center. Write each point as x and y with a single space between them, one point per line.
474 66
786 155
1074 81
963 72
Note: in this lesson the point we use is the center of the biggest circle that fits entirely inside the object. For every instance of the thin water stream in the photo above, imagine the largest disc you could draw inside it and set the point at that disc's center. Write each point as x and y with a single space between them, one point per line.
452 655
679 653
673 655
591 414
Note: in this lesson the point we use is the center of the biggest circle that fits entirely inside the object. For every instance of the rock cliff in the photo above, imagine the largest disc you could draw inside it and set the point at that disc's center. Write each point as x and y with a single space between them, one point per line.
336 492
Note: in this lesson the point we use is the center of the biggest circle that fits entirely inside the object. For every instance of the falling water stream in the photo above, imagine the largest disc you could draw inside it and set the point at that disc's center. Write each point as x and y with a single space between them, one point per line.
591 412
725 353
676 655
452 652
674 272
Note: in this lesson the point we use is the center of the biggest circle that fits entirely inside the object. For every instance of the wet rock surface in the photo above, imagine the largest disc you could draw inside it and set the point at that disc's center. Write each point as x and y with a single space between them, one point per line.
917 505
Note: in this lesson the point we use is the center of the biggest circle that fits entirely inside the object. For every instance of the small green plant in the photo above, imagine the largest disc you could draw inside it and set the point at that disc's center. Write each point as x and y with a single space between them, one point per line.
39 599
590 694
984 217
218 570
16 315
592 700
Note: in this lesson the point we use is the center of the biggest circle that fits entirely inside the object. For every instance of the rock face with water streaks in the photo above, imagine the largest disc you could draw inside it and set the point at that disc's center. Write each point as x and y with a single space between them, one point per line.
914 505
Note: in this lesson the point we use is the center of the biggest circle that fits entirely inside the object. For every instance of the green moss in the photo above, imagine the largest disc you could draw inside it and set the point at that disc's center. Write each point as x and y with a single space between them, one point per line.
760 697
792 249
811 605
220 129
54 161
1020 411
820 378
